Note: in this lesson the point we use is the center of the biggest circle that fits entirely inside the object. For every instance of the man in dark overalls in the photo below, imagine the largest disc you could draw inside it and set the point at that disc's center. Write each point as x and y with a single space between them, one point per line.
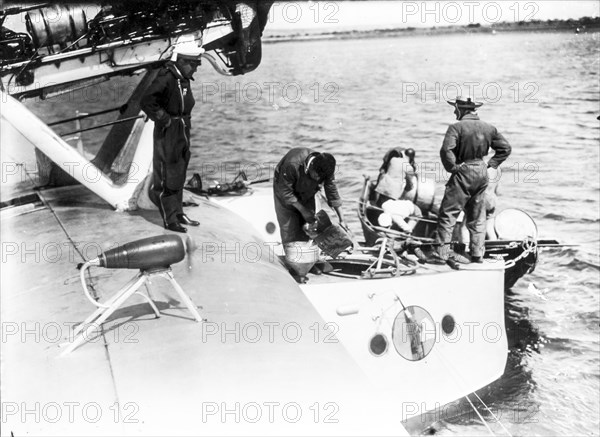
465 144
169 102
297 179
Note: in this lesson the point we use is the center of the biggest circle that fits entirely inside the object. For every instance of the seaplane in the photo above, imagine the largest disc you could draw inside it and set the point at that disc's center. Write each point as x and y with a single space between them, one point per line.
113 325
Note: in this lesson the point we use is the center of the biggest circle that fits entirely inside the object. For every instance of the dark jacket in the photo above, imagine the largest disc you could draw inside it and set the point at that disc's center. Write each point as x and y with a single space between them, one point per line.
163 99
292 183
169 97
470 139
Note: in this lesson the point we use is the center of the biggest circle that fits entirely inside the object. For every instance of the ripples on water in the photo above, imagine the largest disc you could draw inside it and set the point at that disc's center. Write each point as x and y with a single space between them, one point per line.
551 382
352 104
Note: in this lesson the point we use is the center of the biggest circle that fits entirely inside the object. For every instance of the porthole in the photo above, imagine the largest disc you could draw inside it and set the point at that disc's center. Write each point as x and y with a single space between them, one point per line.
448 324
378 345
270 228
413 333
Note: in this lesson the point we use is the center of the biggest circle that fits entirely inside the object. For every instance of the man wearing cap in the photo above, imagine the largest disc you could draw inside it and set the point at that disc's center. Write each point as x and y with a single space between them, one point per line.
465 144
298 178
169 102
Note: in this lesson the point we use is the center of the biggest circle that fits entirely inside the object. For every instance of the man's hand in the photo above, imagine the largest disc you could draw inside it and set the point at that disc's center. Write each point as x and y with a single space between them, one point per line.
340 214
344 226
309 216
166 126
458 167
310 230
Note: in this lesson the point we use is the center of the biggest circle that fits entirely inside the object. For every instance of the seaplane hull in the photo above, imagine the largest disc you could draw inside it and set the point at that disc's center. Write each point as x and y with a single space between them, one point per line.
335 356
138 374
362 311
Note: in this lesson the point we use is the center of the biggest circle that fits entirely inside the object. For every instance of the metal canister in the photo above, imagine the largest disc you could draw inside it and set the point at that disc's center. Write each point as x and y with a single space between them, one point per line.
56 24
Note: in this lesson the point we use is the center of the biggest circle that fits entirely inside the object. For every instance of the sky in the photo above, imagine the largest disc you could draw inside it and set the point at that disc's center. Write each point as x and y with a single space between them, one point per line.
393 14
347 15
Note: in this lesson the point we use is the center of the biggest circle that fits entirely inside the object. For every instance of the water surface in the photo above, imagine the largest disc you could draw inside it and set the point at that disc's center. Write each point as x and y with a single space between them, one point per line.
356 98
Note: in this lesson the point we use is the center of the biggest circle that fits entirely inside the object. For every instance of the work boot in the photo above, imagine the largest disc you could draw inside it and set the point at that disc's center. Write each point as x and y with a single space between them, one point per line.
429 256
453 264
176 227
421 256
439 255
461 258
185 220
435 257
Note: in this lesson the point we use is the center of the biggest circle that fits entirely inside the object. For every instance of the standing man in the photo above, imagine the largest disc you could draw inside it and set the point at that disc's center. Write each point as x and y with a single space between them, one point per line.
465 144
298 177
169 102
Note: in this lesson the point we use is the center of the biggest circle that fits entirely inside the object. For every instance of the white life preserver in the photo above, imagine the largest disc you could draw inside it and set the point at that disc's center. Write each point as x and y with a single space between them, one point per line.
515 224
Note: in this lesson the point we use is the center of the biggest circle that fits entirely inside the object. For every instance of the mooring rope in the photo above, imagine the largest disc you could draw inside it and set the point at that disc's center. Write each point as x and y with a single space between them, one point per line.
493 415
480 416
461 382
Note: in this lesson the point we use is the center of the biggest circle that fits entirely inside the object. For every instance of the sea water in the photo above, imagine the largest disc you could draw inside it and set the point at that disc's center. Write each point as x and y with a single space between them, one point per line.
358 97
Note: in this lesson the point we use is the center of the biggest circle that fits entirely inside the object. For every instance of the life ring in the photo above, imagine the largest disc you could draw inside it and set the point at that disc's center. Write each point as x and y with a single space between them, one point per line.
515 224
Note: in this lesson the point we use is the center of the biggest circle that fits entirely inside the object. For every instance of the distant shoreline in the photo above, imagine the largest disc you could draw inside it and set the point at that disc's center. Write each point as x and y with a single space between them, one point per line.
583 25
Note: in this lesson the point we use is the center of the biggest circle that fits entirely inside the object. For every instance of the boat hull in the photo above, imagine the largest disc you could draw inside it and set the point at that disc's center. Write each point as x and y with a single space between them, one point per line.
359 310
